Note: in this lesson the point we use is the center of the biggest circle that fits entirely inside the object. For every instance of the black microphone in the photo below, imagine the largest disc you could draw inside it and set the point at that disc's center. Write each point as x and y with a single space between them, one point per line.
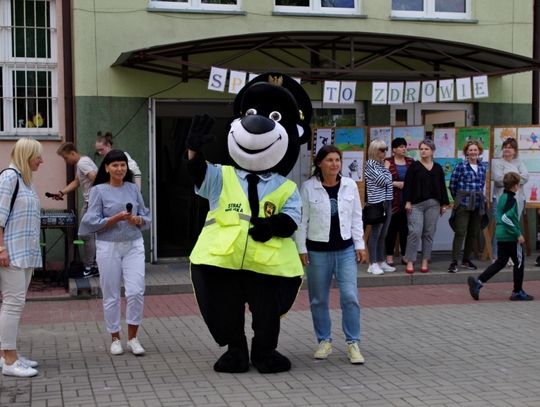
129 207
50 195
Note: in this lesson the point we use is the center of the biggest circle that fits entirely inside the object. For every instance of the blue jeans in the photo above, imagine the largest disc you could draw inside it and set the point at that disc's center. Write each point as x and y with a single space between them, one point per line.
322 266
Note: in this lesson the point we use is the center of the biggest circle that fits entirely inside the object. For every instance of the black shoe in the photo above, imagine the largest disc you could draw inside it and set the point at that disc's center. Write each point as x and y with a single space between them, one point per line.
468 265
474 287
453 267
521 296
90 272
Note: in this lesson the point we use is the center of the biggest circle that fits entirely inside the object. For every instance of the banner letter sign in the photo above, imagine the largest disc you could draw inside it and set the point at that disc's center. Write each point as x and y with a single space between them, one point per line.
347 92
218 77
379 91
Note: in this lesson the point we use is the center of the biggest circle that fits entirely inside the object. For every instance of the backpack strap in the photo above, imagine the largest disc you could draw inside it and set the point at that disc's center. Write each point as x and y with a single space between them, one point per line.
15 192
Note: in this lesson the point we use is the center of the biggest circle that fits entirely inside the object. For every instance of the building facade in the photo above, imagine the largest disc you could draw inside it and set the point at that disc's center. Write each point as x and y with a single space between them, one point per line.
141 70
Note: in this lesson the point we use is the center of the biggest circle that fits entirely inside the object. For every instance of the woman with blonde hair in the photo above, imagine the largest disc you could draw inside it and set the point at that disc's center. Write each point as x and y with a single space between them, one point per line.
19 249
379 188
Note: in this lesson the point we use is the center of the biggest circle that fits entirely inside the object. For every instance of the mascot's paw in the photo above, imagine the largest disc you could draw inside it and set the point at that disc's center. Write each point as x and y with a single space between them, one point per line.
198 134
271 362
235 360
261 230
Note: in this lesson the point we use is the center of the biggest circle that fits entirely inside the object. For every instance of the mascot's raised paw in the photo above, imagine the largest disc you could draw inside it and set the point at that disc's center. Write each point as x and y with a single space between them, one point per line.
199 132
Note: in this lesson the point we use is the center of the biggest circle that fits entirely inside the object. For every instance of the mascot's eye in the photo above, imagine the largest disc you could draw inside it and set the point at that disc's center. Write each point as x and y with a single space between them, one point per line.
251 112
275 116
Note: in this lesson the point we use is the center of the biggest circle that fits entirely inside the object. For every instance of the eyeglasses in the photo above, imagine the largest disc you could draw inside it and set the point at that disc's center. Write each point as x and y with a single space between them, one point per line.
383 150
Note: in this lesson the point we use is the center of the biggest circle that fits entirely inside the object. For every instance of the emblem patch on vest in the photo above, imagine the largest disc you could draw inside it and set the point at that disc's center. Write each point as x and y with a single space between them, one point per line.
269 209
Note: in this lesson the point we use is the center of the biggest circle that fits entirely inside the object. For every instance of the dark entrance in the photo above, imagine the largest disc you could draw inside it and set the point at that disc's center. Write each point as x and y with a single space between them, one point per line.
180 213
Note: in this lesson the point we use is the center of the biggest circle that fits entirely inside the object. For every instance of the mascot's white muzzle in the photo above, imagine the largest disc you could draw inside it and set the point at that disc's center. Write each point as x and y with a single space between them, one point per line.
257 143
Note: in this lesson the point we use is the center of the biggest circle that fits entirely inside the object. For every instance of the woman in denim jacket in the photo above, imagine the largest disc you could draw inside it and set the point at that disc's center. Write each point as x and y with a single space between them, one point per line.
330 241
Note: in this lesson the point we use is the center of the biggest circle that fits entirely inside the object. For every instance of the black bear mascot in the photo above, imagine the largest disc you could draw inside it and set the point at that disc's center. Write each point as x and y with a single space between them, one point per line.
245 252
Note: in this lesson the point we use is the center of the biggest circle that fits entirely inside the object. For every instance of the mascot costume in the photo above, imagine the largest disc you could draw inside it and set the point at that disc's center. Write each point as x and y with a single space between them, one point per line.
245 253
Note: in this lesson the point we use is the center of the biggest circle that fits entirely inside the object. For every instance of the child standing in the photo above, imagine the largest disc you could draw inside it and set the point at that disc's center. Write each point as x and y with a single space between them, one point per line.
509 242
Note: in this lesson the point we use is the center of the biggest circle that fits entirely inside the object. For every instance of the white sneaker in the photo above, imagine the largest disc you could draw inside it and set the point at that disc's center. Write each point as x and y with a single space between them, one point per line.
324 350
386 267
354 354
116 347
18 369
510 263
135 347
375 269
27 362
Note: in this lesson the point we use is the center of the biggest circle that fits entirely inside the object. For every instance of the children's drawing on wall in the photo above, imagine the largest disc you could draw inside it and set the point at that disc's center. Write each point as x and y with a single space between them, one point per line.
499 135
384 134
448 165
322 137
353 164
350 138
445 141
414 154
530 159
528 138
413 134
481 134
532 188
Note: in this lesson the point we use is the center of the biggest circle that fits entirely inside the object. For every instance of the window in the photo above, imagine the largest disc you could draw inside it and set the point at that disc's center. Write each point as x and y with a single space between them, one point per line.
28 68
317 6
445 9
210 5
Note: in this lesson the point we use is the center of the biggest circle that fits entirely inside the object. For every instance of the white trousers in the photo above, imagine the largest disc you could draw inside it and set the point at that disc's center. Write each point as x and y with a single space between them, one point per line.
14 284
117 261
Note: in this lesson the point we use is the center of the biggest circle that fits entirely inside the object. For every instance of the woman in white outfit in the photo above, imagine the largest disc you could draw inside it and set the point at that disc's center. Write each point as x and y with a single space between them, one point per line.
20 252
117 214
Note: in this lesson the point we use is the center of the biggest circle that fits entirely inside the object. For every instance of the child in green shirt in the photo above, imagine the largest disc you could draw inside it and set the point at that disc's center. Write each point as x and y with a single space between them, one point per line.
509 242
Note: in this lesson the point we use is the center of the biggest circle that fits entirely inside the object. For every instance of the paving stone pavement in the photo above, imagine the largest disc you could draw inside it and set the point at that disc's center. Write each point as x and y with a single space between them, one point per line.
425 345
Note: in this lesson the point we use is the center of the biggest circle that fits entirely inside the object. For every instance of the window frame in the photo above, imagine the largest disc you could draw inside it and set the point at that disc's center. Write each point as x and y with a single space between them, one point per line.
430 13
315 7
10 64
192 5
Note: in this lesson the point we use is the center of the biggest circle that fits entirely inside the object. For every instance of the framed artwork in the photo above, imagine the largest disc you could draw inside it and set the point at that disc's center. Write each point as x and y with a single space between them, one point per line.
413 134
445 142
532 188
350 138
531 160
384 134
499 135
528 138
323 136
464 134
353 164
448 165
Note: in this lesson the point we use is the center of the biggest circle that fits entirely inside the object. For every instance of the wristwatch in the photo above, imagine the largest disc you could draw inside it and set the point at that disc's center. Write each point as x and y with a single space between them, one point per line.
2 248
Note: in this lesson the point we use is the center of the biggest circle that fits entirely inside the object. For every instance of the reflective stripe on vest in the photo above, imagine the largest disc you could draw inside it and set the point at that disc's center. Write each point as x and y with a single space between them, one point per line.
224 240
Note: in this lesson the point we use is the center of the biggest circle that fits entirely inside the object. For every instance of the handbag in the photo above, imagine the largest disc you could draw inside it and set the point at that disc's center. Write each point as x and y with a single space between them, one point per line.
373 214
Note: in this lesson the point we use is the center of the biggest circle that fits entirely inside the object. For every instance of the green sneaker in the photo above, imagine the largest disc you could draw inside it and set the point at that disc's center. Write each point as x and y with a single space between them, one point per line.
354 354
324 349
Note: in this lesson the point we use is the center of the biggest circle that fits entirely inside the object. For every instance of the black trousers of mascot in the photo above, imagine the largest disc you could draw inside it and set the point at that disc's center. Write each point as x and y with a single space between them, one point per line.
223 293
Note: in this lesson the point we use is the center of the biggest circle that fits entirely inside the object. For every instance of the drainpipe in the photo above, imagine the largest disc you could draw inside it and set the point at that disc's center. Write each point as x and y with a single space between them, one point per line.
536 55
68 87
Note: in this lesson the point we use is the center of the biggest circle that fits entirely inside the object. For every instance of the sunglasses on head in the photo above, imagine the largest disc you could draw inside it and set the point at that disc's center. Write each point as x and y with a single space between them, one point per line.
383 150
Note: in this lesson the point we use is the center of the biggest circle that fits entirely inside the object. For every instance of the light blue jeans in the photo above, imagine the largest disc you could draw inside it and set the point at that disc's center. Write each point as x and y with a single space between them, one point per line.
322 266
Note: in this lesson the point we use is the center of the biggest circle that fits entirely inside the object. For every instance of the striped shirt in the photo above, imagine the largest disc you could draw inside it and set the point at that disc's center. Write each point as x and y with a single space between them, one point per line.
22 228
378 182
465 179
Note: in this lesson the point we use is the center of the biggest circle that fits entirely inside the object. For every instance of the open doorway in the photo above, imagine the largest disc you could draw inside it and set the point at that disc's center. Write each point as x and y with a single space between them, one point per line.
179 213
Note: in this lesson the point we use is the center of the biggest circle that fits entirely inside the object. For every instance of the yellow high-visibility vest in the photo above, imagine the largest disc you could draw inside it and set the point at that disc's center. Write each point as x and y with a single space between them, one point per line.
224 240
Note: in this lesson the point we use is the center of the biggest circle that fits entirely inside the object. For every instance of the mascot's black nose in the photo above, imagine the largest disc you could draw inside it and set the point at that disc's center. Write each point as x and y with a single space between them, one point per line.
258 124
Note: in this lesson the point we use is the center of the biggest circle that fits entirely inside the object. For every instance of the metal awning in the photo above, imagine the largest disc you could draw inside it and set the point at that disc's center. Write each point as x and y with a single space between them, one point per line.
318 56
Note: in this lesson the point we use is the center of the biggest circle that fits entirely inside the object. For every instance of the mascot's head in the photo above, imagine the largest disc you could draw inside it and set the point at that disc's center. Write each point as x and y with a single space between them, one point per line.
273 114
